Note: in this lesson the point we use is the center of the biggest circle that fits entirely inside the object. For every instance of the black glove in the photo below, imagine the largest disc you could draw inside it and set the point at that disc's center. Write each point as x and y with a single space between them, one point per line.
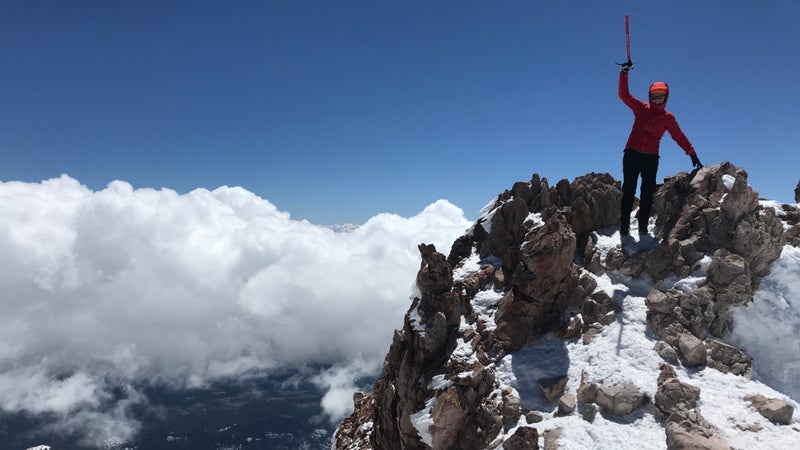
627 67
696 161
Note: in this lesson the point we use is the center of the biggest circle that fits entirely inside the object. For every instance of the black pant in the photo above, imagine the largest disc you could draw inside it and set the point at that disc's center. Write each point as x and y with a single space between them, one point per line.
636 163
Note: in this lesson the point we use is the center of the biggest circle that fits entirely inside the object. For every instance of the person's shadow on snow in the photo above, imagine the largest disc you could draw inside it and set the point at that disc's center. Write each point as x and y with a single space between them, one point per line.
535 365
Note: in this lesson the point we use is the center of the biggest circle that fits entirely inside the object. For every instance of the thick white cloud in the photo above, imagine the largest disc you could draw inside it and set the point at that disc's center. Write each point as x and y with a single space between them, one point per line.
110 288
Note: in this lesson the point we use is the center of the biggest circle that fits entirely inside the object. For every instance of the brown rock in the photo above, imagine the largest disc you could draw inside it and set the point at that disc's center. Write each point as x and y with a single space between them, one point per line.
666 351
591 333
525 438
587 392
692 349
688 430
553 388
533 417
448 418
589 412
759 239
619 399
434 277
551 438
729 275
727 358
674 394
511 406
659 302
566 404
547 259
777 411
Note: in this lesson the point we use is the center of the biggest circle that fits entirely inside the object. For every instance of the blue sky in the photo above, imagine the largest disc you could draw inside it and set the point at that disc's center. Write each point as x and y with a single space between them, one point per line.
335 111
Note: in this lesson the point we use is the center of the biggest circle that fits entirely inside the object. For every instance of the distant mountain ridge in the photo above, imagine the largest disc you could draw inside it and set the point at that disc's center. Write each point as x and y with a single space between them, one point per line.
542 282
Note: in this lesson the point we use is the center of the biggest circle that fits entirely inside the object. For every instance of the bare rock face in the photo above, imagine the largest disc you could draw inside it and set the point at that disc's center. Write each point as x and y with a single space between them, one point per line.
599 308
551 438
759 239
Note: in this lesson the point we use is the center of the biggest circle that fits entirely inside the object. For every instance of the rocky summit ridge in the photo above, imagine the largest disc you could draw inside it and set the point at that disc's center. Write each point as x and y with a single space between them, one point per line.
531 277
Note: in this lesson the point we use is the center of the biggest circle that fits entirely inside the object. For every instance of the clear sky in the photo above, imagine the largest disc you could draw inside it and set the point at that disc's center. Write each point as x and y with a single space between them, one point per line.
335 111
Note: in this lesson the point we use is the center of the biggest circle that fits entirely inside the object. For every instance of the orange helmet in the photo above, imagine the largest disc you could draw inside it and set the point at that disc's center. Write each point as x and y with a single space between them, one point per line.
659 87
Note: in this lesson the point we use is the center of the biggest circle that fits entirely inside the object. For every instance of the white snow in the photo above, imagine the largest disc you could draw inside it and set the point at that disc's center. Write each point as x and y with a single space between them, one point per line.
487 220
768 328
422 421
415 319
439 383
367 427
485 304
728 181
463 351
468 266
535 218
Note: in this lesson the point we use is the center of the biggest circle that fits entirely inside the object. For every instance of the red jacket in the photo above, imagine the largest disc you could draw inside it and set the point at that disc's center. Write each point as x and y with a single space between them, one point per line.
650 123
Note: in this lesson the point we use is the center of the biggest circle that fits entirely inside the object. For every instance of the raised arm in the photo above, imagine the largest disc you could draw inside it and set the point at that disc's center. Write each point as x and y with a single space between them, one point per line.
625 94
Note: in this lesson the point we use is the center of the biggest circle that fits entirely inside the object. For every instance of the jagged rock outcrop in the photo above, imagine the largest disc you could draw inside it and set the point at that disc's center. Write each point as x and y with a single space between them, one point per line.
698 214
545 283
538 252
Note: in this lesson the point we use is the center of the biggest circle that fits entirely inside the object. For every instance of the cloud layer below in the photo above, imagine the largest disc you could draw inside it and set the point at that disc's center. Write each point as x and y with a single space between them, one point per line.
124 286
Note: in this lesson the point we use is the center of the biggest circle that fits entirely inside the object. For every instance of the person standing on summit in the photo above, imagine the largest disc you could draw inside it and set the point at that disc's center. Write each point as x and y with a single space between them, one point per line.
641 151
